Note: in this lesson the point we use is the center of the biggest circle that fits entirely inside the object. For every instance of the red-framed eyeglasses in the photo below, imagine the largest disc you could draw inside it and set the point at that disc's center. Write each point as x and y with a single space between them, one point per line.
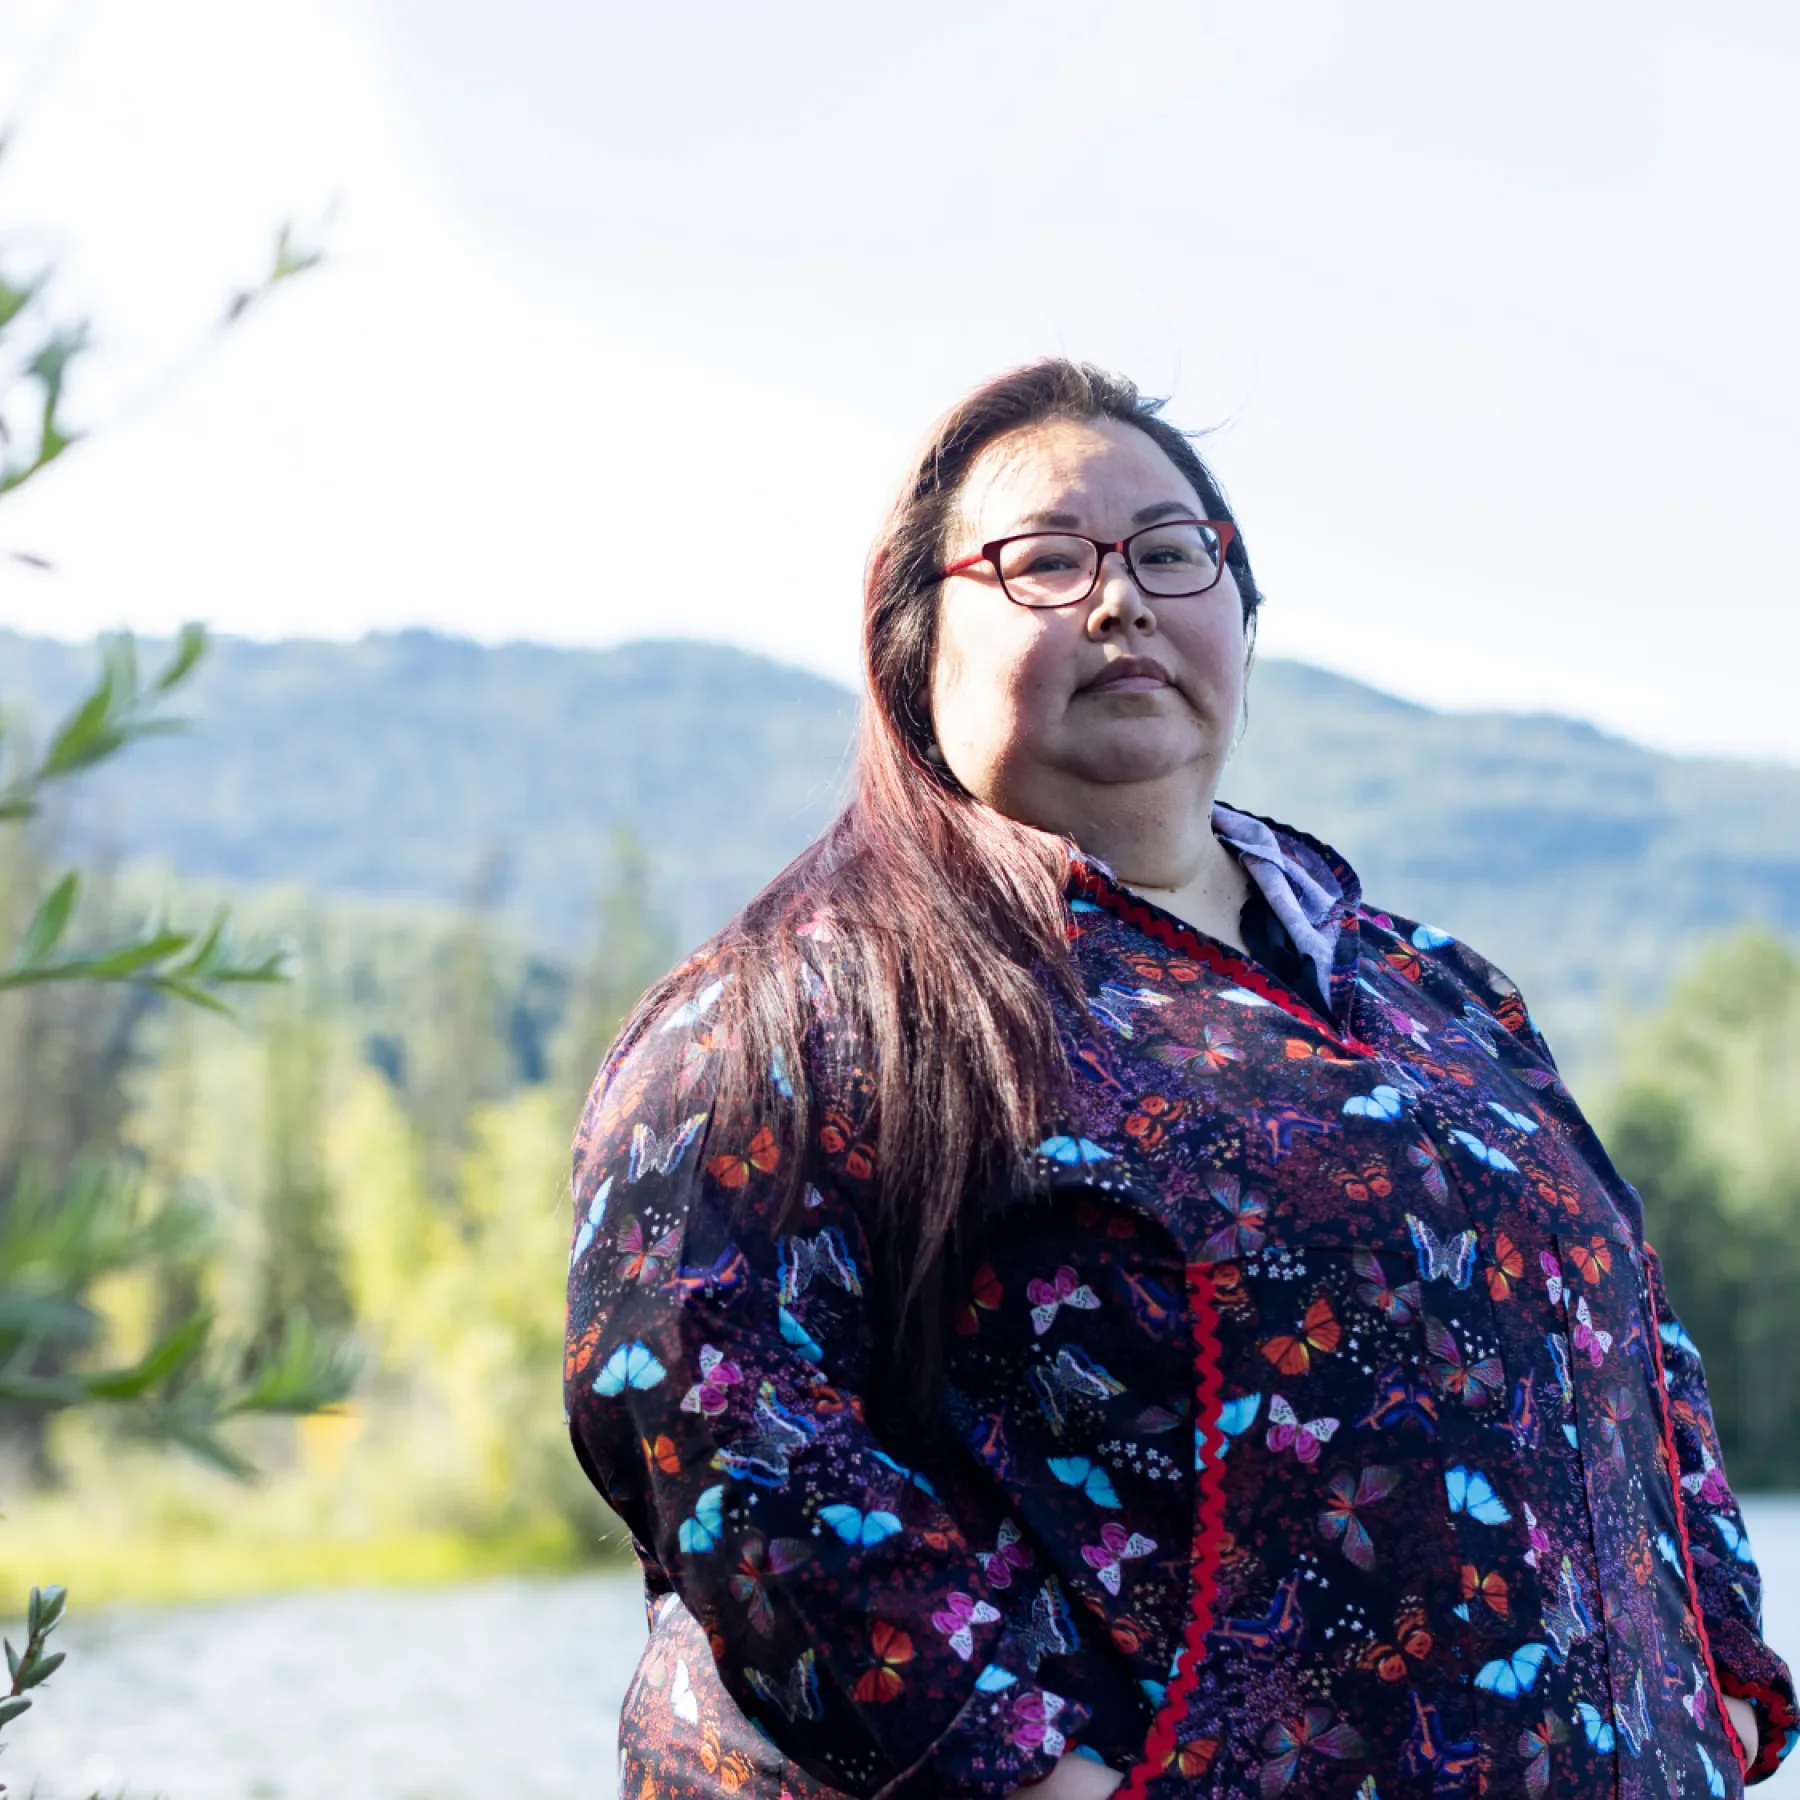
1169 560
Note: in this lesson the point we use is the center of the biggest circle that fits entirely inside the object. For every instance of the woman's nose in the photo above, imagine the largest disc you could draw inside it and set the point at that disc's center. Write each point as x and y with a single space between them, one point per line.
1118 600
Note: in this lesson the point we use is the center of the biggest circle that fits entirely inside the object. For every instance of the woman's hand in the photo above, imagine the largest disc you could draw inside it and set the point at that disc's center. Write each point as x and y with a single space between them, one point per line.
1073 1778
1743 1722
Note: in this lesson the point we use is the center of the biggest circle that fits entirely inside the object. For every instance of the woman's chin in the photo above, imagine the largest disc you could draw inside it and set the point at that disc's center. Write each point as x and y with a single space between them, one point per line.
1160 753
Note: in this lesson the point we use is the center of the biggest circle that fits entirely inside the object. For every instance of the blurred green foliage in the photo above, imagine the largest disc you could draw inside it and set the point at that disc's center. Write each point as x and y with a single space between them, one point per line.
1706 1124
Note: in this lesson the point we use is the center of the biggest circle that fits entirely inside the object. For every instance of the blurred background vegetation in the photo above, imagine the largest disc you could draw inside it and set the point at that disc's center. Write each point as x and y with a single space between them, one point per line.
477 858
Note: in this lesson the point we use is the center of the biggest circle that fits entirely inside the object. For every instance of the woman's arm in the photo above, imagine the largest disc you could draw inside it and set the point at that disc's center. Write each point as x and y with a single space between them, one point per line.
1759 1692
716 1364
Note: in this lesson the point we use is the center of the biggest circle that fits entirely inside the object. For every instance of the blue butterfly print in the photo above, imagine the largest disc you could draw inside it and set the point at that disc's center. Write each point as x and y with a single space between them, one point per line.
1486 1154
1520 1122
1452 1260
1737 1540
906 1474
1115 1005
1241 996
697 1008
1511 1676
1428 937
1073 1152
823 1254
764 1456
1666 1548
631 1365
1383 1103
1676 1337
591 1224
796 1335
1471 1492
798 1696
1598 1731
703 1531
778 1076
855 1526
1235 1418
1715 1782
994 1679
650 1155
1082 1472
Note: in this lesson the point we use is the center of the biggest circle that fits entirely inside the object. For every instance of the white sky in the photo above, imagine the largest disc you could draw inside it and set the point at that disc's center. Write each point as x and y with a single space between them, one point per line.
634 313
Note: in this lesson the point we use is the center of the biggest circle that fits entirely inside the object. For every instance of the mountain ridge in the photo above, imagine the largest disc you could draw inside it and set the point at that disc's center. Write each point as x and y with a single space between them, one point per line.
398 765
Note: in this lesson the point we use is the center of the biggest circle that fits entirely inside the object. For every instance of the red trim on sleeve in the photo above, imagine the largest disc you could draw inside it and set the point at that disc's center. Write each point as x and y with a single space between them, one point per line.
1687 1554
1209 1530
1775 1718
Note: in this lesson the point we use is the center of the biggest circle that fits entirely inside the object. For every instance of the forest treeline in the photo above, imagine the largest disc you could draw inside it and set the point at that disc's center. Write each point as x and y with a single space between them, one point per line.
379 1150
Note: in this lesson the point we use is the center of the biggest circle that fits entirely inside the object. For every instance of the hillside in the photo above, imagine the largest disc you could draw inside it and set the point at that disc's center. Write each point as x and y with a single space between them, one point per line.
396 766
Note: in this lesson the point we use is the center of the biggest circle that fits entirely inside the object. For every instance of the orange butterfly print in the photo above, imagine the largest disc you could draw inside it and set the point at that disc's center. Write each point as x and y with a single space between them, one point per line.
638 1262
1404 961
1490 1589
1594 1259
731 1769
1412 1640
581 1352
1319 1335
1194 1757
884 1682
985 1295
660 1453
1506 1268
734 1169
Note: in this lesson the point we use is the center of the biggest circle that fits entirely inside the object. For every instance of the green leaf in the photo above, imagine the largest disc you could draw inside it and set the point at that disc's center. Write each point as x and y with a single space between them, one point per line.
10 1709
162 1363
47 1609
12 1657
51 920
125 960
42 1669
190 645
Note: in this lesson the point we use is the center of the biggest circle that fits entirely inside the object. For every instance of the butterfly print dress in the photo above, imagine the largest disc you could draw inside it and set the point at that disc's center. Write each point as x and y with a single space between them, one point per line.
1326 1431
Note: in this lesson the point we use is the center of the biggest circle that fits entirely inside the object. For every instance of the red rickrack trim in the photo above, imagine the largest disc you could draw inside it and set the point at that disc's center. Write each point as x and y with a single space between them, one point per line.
1173 934
1776 1716
1687 1554
1209 1530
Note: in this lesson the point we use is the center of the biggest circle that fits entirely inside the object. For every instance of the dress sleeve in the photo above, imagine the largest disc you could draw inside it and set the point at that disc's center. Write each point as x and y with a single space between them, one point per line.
716 1360
1725 1572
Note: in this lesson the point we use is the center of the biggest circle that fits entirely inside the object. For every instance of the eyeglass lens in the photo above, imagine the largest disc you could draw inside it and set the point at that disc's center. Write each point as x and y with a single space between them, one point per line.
1047 569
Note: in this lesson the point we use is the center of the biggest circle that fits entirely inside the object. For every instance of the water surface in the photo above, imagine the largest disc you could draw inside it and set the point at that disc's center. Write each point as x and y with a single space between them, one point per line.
504 1687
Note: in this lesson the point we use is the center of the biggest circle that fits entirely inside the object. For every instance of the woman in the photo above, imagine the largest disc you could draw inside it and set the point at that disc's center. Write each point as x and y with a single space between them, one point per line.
1067 1297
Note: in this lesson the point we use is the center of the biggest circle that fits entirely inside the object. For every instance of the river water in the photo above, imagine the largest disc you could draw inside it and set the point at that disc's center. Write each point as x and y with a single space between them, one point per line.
502 1688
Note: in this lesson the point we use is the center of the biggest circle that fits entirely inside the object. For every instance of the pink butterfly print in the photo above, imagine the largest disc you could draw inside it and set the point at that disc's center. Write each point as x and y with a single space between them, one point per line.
1249 1215
708 1395
1034 1718
1540 1538
1425 1158
1709 1483
1116 1546
1588 1336
1287 1433
1046 1297
958 1620
1009 1553
1553 1276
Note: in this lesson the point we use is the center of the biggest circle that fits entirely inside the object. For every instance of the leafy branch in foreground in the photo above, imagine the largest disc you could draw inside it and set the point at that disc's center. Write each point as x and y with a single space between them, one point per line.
36 1666
190 964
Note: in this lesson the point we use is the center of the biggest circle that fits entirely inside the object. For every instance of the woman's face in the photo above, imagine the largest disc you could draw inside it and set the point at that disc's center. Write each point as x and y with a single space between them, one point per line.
1050 716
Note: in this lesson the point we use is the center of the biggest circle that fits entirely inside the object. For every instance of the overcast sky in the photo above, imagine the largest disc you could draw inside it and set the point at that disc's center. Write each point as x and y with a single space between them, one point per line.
634 312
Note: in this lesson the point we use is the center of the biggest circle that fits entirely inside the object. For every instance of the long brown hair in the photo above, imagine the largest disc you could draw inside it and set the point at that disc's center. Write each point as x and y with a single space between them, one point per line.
943 919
